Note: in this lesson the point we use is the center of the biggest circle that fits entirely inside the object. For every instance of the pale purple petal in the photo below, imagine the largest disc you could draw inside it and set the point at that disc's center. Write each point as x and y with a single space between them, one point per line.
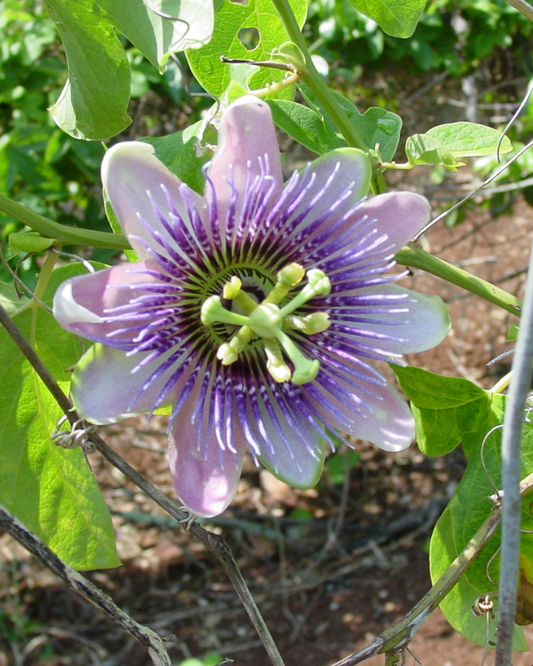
320 208
291 449
385 420
247 148
205 475
401 215
138 185
405 321
81 304
107 386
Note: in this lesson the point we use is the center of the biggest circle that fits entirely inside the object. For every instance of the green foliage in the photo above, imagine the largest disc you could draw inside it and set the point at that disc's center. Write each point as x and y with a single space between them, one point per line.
230 19
339 464
444 408
182 153
209 659
447 411
398 19
379 128
465 513
97 62
450 35
50 489
40 167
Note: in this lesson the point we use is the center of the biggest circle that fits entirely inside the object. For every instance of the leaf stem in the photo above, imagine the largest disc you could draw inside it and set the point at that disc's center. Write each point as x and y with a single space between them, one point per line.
315 82
63 234
513 421
413 256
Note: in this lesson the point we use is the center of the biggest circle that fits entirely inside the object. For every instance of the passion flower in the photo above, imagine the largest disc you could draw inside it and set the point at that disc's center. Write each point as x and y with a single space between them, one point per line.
254 310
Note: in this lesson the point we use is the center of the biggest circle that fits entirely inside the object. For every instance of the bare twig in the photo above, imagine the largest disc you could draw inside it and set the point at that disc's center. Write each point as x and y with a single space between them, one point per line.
75 581
399 635
215 543
511 461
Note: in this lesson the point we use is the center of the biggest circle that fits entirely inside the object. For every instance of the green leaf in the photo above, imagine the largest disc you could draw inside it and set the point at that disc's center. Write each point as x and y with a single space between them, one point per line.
50 489
28 241
183 154
446 144
304 125
230 19
398 19
380 129
465 513
156 37
94 101
445 408
424 149
339 463
11 301
469 139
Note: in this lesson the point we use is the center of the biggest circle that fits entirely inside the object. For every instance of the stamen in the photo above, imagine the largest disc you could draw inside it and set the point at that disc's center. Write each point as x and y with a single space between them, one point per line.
266 320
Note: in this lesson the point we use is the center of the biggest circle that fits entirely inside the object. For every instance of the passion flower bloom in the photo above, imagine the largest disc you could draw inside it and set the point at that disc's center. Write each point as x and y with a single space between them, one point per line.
254 310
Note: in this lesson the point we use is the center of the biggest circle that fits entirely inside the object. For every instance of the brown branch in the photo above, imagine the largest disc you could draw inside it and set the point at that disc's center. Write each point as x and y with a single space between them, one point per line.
213 542
82 586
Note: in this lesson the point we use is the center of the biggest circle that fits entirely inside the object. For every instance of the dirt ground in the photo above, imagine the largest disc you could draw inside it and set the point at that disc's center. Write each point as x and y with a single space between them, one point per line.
330 567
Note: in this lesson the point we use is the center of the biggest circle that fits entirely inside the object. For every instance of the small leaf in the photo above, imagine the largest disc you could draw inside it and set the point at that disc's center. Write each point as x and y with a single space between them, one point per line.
183 154
379 128
469 139
512 335
398 19
339 463
445 408
93 103
230 19
424 149
28 241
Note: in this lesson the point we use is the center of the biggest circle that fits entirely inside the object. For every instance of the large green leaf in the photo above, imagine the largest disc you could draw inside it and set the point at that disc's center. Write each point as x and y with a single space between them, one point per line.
449 410
157 37
470 139
93 103
463 516
230 19
50 489
398 19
